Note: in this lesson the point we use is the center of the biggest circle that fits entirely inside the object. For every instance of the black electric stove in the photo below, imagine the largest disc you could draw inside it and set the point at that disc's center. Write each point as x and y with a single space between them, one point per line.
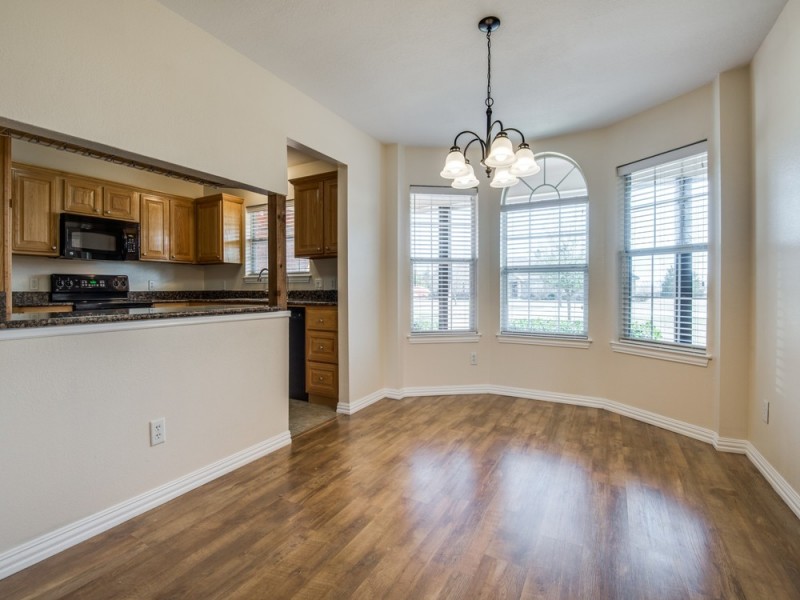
93 292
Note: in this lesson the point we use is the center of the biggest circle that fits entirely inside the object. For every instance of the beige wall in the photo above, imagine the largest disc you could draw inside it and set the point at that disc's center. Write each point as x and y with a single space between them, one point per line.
684 392
776 284
74 437
176 94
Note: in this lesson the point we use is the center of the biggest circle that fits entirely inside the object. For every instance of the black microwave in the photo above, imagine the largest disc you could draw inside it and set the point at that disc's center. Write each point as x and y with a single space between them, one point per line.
94 238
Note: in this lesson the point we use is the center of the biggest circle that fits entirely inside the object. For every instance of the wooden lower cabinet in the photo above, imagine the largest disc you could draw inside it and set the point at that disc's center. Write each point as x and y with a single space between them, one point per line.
322 355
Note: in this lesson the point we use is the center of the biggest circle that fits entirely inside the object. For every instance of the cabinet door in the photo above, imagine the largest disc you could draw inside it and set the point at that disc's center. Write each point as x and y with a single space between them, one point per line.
83 196
34 214
181 230
120 203
330 194
155 228
322 318
322 379
322 346
308 220
209 231
233 231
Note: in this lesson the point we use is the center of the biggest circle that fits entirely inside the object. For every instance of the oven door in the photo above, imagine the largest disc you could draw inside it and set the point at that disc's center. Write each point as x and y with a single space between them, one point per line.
91 238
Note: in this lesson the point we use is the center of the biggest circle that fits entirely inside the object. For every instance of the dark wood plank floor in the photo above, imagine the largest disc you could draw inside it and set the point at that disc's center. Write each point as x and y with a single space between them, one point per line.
454 497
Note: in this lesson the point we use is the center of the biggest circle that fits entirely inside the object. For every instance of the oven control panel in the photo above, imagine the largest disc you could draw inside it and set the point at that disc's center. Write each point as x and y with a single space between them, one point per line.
89 284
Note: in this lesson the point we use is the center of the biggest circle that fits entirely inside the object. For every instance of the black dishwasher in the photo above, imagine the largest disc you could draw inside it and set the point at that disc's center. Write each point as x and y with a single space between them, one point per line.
297 354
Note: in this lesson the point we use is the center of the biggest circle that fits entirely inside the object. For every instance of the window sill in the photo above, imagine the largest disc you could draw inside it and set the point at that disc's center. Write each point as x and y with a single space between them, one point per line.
543 340
686 357
444 338
294 278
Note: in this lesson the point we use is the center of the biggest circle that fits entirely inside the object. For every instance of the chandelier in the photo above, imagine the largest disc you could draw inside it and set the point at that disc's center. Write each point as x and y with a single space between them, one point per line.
496 152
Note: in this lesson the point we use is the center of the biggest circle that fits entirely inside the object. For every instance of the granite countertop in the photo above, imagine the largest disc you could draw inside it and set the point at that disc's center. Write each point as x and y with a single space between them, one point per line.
235 302
45 319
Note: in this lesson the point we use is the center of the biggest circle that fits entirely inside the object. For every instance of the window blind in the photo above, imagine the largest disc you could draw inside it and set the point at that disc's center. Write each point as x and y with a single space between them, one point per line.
544 252
443 260
256 246
664 263
257 238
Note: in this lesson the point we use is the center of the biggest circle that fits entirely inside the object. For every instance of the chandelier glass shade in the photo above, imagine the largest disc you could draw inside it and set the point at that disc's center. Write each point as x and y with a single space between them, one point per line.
497 151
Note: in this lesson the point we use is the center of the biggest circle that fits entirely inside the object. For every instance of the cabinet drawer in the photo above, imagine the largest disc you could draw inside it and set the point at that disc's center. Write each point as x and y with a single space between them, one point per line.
322 346
322 379
322 317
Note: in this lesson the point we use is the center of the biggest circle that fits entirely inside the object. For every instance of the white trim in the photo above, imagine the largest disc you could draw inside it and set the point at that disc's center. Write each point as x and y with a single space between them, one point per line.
348 408
541 340
722 444
787 493
18 333
65 537
677 355
443 338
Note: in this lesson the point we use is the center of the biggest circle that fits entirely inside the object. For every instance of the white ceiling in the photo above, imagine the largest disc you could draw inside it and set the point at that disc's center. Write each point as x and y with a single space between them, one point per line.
414 72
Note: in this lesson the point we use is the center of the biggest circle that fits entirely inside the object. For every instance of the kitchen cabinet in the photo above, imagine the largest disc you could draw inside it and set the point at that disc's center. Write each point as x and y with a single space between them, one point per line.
89 196
322 355
167 229
34 211
315 205
182 226
220 229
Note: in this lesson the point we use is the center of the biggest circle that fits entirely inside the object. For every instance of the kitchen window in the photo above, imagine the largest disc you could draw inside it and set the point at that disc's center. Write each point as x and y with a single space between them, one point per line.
664 261
443 260
544 247
257 238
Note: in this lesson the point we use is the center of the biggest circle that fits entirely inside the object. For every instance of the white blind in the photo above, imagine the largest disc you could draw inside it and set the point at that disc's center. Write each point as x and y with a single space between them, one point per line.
443 260
544 252
256 239
257 249
664 263
294 265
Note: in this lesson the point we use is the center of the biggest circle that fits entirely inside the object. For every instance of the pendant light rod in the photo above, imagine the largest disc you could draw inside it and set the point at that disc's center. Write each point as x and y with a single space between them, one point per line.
496 151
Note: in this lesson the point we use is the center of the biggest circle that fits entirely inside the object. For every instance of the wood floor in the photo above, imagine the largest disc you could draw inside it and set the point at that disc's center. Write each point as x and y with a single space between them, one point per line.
454 497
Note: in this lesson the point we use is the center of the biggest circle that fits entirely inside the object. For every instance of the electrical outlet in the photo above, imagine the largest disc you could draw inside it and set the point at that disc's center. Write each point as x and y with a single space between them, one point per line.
765 411
473 358
33 283
151 285
318 283
333 283
158 431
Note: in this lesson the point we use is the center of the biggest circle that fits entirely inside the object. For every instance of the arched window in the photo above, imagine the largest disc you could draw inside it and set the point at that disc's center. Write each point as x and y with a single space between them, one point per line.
544 248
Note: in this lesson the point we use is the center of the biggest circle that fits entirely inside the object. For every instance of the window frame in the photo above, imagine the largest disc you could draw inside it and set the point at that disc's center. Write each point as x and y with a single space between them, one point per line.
530 336
470 333
676 351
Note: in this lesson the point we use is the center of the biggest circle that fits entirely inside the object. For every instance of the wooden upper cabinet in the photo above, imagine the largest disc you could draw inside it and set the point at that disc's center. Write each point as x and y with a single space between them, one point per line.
330 196
168 228
154 228
181 230
315 215
120 202
88 196
220 229
83 196
34 210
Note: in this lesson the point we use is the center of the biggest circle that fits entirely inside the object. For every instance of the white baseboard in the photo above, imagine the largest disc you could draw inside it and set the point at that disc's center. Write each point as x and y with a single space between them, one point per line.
51 543
723 444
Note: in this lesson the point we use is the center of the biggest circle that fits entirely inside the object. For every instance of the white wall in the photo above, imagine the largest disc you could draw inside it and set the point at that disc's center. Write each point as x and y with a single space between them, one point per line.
776 285
138 77
684 392
74 437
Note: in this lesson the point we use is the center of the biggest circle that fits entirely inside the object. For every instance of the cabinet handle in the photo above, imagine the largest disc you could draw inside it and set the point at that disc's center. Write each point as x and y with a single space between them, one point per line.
320 377
52 247
108 212
321 347
173 256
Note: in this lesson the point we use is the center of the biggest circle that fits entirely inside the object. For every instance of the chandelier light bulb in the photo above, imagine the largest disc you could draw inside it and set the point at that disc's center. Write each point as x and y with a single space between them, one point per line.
503 178
455 164
525 164
466 181
501 153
